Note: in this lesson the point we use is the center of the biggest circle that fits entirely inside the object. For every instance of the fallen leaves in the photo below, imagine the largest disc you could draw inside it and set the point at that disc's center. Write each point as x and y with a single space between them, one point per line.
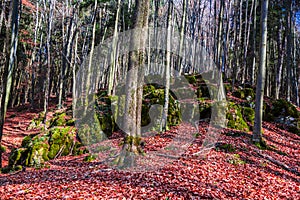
212 176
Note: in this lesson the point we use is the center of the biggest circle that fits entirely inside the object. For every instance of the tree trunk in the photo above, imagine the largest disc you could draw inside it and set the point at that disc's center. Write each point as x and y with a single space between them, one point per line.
10 67
134 86
163 125
113 61
257 132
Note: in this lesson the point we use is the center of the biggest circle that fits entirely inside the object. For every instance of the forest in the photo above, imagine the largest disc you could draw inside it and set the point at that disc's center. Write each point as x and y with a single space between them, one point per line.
149 99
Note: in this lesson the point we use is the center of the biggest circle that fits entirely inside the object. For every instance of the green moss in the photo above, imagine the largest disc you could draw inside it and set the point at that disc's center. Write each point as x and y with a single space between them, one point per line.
38 154
235 118
39 148
245 93
152 96
61 141
205 110
261 145
54 148
226 147
248 114
89 158
228 87
14 157
235 159
59 119
2 149
18 168
26 141
70 122
285 108
281 111
191 79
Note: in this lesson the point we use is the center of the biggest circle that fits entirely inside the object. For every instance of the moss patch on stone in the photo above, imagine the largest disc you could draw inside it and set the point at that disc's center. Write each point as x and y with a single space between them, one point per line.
37 149
37 121
283 112
248 114
154 95
235 118
244 93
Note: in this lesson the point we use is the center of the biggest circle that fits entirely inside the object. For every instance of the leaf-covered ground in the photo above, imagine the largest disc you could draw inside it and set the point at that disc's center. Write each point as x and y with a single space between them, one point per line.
235 169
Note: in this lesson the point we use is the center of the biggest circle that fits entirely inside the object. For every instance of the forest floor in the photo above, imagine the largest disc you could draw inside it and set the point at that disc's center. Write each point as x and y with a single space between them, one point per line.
239 172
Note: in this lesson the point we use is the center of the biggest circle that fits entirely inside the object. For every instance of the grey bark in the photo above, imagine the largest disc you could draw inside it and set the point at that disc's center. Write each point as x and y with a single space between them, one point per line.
257 132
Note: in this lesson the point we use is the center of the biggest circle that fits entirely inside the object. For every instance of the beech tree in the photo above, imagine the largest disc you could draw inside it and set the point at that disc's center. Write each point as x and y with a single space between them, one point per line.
257 131
55 38
9 71
134 83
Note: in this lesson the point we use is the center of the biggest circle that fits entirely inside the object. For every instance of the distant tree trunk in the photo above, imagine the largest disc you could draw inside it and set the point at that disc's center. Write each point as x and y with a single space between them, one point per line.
257 132
219 36
10 68
289 49
13 51
247 39
182 31
296 71
74 65
239 44
113 61
163 125
280 46
3 5
252 72
49 64
89 71
66 58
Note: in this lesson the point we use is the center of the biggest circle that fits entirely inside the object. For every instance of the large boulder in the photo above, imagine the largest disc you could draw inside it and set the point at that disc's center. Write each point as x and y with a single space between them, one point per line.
155 96
39 148
284 113
244 93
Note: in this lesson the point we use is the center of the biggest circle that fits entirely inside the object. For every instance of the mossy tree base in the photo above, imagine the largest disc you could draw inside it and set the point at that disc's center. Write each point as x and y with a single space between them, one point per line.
132 147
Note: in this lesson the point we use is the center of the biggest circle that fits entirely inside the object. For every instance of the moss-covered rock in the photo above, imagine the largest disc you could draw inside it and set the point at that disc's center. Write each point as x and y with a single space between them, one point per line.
248 114
203 91
61 141
205 110
37 154
244 93
59 119
235 117
15 157
191 79
104 112
91 133
228 87
37 121
152 96
283 112
37 149
284 108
